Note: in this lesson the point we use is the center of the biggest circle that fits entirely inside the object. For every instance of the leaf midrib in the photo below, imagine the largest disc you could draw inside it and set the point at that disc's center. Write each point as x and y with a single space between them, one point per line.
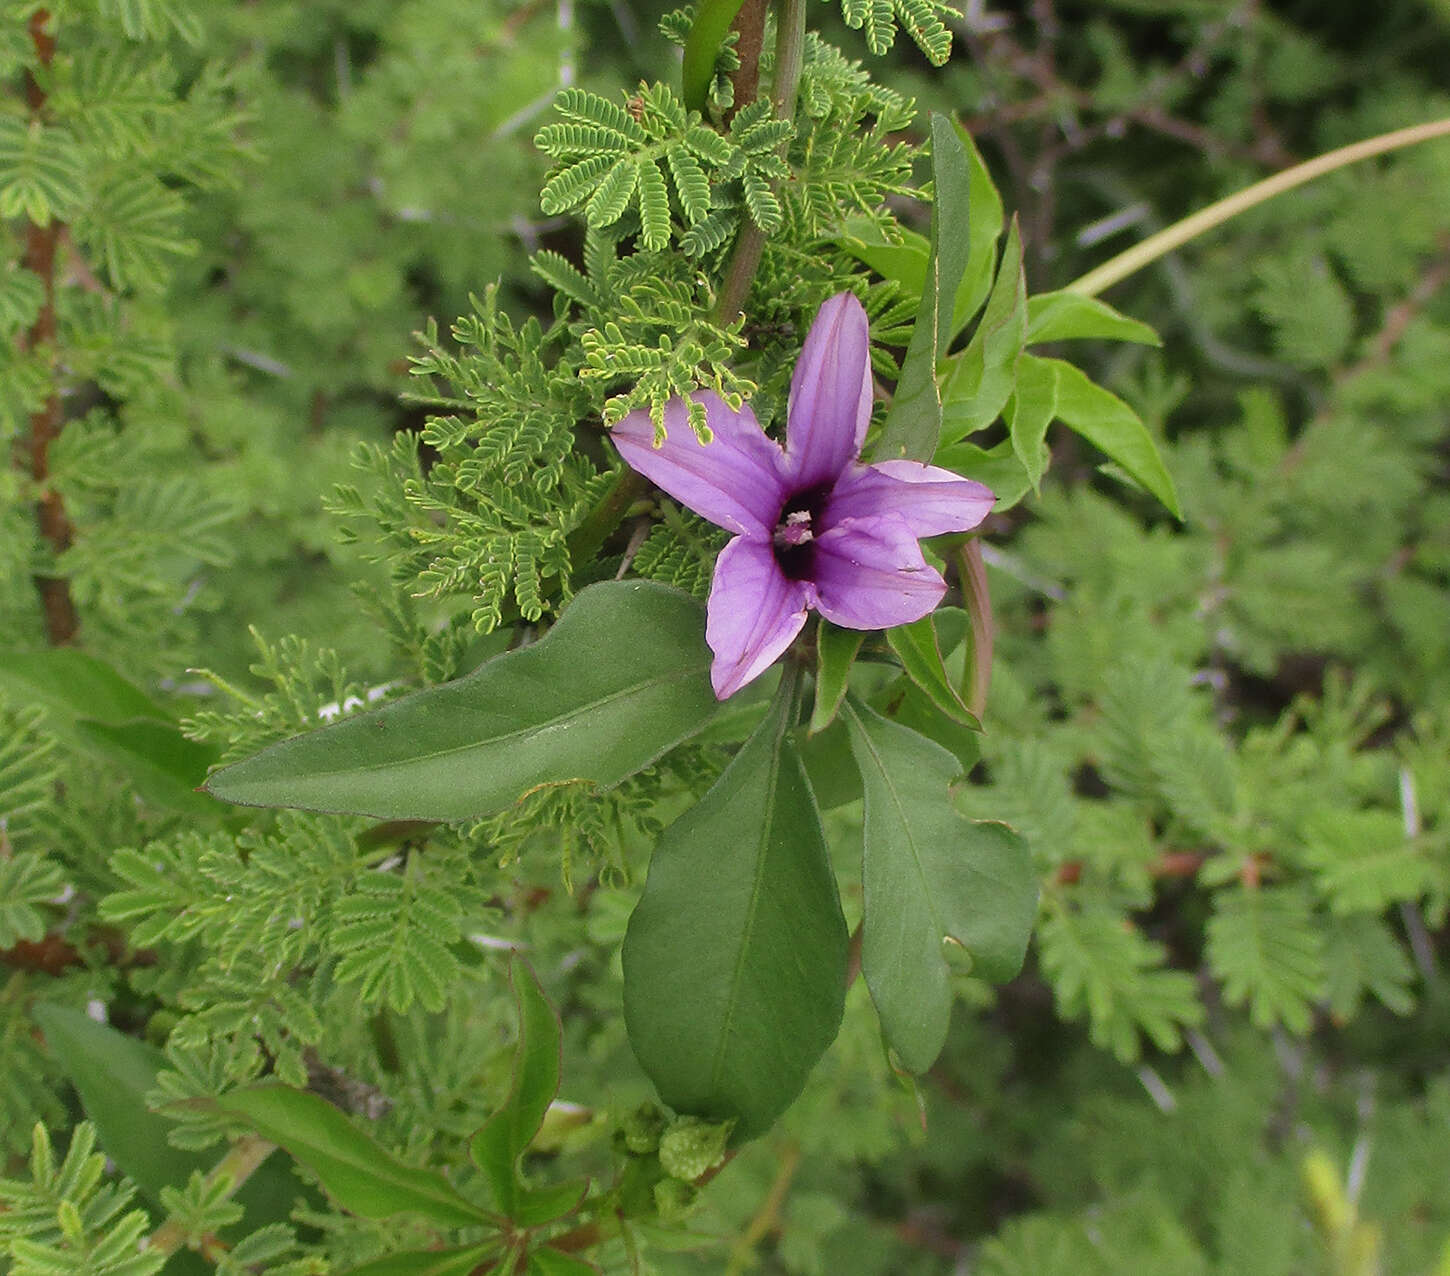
870 745
748 930
379 768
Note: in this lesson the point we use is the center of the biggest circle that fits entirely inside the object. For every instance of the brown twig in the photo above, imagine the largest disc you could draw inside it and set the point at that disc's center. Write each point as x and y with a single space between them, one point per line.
749 26
33 452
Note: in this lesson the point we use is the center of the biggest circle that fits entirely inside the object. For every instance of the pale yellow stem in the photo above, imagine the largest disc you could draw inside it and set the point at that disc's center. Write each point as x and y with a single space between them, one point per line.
1175 236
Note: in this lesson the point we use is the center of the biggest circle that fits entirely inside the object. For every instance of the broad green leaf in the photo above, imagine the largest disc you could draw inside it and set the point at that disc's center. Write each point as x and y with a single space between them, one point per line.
428 1262
901 260
702 49
836 650
75 685
913 424
735 958
553 1262
1030 412
535 1206
827 760
506 1135
1112 427
930 876
983 231
103 714
904 259
906 703
112 1074
354 1168
998 467
917 647
980 379
164 767
1065 316
620 679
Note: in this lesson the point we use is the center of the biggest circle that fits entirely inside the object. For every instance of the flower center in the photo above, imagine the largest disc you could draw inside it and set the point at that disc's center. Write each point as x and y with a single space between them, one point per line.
796 527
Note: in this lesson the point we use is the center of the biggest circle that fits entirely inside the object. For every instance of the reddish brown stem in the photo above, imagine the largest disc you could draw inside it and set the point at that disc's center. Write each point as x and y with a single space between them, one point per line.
33 454
749 25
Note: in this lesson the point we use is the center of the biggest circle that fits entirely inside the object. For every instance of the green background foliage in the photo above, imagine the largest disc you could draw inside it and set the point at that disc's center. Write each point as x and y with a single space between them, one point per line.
1224 741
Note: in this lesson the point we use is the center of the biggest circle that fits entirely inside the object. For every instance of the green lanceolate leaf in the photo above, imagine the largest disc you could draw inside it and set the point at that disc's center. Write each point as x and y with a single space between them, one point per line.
998 467
506 1135
931 876
429 1262
162 765
94 708
913 425
75 685
1030 412
735 959
917 647
354 1168
112 1074
552 1262
620 679
980 379
984 229
1112 427
1065 316
836 650
707 35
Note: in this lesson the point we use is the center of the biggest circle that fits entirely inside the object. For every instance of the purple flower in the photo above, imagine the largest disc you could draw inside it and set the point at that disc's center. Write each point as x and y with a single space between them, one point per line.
813 526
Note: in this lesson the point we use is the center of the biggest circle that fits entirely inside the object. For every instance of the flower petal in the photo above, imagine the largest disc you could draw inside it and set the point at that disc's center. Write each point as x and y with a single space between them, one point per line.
830 394
869 574
753 613
736 481
931 500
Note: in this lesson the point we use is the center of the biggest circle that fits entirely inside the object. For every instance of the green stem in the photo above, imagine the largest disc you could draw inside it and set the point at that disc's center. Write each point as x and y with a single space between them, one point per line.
790 47
586 540
237 1166
984 627
1175 236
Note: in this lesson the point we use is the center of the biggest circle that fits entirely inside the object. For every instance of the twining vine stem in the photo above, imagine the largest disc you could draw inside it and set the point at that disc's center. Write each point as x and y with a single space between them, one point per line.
1165 241
33 453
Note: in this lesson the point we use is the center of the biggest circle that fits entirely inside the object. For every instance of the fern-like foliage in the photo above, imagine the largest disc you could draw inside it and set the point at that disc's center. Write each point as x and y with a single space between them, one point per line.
923 20
661 162
1114 977
681 551
66 1218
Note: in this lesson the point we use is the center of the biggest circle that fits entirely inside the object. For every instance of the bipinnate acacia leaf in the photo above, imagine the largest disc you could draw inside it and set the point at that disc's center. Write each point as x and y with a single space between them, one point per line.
620 679
931 876
506 1135
735 958
357 1171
